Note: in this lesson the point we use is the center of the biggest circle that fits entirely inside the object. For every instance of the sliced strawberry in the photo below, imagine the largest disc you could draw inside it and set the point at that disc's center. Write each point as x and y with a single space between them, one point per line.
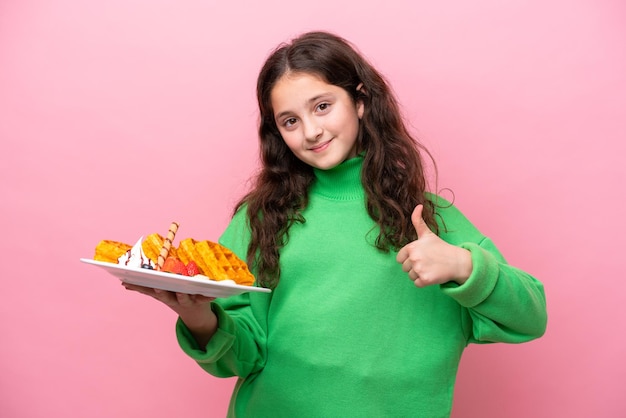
174 265
192 268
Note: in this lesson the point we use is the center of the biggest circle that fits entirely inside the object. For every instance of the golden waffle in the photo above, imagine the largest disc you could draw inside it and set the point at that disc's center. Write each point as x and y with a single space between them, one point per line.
152 247
186 252
110 251
215 261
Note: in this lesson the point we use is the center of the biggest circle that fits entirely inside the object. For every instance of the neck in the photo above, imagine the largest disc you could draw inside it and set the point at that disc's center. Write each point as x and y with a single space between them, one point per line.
342 182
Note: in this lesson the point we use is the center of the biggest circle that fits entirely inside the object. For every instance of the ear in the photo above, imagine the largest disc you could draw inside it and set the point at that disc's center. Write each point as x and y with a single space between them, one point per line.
361 90
359 102
360 107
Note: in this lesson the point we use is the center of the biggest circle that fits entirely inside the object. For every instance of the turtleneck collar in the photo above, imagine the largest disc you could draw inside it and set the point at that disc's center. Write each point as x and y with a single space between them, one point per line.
342 182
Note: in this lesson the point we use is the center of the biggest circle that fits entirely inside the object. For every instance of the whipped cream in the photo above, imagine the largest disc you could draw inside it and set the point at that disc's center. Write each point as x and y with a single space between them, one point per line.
135 257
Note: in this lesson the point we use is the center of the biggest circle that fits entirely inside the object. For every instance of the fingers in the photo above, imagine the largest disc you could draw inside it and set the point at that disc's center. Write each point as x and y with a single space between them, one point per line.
419 283
185 299
403 254
421 227
169 298
413 255
141 289
416 279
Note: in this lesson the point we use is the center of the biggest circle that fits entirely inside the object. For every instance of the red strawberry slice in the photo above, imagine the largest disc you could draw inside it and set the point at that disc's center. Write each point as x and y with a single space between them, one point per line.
174 265
192 268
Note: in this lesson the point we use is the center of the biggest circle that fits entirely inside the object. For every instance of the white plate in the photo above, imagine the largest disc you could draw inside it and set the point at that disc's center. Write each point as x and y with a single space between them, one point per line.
174 282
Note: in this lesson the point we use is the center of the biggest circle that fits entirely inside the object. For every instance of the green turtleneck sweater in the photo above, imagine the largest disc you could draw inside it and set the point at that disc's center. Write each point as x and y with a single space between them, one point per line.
346 333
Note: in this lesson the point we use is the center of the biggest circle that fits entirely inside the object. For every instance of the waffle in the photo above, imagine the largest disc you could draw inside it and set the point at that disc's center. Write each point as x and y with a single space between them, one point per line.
110 251
152 246
215 261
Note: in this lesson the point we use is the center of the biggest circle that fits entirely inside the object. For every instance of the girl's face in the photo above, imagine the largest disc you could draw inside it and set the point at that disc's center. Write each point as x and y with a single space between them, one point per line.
318 121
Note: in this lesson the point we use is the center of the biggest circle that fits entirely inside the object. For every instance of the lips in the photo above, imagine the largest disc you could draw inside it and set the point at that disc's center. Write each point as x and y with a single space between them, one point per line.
321 147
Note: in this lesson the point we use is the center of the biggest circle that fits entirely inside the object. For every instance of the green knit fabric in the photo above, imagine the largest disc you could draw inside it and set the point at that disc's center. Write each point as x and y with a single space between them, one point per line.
346 333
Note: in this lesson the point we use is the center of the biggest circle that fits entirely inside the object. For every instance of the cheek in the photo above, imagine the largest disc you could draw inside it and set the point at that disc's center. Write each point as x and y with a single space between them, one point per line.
290 139
351 126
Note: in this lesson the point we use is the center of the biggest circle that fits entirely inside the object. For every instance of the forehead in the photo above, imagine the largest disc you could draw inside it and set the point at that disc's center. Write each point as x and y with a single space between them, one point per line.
298 89
300 74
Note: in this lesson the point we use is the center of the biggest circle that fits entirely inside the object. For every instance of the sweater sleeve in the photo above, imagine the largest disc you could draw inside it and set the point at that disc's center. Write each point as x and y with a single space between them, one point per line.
505 304
502 302
238 348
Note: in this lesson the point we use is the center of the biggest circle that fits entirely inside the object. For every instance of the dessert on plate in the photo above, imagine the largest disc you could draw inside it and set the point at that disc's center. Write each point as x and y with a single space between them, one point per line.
191 258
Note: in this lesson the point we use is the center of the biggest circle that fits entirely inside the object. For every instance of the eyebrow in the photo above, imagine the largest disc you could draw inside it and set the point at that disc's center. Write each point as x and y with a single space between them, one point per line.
311 100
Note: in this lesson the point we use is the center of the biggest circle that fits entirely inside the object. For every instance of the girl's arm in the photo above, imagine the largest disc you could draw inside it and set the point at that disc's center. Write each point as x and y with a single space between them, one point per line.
194 310
237 347
504 303
237 337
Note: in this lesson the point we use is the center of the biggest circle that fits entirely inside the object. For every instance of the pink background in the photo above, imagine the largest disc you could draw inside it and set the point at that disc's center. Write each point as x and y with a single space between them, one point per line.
119 117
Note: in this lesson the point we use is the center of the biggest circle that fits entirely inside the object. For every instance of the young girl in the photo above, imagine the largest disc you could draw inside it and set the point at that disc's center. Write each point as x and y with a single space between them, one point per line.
378 286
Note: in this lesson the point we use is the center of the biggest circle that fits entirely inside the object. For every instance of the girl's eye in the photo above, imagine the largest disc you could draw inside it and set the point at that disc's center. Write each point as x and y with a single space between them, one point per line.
289 122
323 106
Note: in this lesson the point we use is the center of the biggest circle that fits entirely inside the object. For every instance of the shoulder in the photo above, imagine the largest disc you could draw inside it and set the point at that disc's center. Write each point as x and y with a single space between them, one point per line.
454 226
236 236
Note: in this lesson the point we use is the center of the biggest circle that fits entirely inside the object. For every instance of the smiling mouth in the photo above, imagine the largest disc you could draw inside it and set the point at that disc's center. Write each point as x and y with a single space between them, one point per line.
320 147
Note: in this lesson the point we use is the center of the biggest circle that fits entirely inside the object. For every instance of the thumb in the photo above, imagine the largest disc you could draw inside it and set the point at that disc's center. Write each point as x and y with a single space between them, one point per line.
421 227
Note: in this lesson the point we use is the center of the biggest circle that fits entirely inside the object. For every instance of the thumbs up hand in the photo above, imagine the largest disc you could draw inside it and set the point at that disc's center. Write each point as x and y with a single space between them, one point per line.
430 260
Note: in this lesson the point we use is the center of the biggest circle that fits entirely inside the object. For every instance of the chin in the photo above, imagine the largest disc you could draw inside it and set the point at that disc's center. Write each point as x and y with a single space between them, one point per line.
326 164
328 161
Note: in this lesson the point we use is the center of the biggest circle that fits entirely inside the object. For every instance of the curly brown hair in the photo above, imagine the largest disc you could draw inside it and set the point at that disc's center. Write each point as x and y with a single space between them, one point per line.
393 169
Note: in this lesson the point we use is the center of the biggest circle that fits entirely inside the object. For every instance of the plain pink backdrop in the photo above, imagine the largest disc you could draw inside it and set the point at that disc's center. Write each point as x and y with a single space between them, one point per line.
118 117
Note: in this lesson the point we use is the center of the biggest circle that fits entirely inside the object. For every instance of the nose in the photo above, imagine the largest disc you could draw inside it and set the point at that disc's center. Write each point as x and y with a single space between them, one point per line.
312 130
